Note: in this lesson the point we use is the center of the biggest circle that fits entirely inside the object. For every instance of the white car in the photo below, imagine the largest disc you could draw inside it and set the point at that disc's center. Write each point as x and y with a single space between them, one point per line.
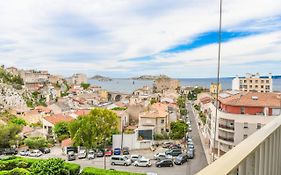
91 155
82 154
162 156
24 153
135 157
35 153
142 162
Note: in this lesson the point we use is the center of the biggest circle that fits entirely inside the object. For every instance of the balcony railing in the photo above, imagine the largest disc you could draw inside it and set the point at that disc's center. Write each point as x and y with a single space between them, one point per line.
226 127
228 139
259 154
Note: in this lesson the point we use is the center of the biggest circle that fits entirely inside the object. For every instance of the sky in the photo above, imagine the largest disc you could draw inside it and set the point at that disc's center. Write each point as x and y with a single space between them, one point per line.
126 38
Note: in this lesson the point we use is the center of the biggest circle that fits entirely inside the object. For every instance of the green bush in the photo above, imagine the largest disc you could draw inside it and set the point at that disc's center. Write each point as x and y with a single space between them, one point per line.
96 171
18 165
74 169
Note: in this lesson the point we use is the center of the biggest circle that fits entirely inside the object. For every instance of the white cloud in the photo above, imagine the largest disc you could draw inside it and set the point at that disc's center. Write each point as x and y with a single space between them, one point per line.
132 28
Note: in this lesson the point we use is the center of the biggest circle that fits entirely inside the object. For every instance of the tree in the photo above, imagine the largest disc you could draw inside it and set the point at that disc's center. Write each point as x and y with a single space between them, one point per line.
35 142
153 100
183 111
18 121
181 101
51 166
9 135
178 129
93 129
62 131
85 85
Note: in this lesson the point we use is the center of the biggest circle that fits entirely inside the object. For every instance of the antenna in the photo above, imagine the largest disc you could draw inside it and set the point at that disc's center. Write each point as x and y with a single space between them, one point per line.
218 75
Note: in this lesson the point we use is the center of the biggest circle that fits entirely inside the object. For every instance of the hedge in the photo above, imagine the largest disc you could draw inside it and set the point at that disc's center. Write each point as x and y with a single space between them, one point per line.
19 165
96 171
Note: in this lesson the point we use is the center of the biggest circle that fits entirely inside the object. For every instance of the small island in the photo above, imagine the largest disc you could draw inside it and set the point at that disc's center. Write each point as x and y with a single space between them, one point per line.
101 78
149 77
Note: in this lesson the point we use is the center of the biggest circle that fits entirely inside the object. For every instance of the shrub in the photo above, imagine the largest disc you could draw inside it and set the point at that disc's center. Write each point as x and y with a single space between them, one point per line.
74 169
52 166
35 142
96 171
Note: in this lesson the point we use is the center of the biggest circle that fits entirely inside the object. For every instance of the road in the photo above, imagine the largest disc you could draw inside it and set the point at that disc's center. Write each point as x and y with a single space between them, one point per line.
200 160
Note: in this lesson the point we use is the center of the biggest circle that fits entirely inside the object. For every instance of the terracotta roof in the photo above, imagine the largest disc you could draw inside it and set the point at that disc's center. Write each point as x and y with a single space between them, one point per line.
43 109
82 112
255 99
66 142
54 119
205 100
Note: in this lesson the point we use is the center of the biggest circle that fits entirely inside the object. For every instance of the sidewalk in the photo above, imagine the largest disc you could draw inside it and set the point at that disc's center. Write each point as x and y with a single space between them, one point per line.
205 146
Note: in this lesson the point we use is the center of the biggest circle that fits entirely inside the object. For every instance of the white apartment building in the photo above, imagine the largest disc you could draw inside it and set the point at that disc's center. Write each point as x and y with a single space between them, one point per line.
252 83
239 115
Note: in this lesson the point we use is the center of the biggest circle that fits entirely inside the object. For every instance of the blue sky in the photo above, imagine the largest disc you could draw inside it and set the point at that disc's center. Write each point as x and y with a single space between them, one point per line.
135 37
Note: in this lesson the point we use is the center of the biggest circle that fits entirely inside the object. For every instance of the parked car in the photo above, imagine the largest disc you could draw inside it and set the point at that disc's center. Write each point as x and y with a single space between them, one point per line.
71 156
162 156
181 159
108 152
190 153
142 162
126 151
99 153
91 154
24 152
117 151
135 157
173 152
165 163
45 150
120 160
175 146
189 129
35 153
190 146
82 154
9 151
166 144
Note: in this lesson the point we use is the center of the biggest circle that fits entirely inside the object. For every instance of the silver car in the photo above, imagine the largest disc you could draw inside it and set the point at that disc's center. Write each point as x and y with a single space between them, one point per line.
142 162
35 153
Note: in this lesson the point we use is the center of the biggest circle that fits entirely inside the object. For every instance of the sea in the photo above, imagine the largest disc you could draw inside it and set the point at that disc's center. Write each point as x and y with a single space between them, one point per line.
129 85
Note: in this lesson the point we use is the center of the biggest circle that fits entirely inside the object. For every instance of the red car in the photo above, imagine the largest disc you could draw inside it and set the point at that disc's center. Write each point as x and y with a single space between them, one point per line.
108 152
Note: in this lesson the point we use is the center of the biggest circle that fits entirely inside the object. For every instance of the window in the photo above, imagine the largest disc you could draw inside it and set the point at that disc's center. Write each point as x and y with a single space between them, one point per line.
245 81
246 125
267 87
267 81
262 86
258 126
256 86
245 136
251 81
162 121
242 110
162 130
250 86
262 81
256 81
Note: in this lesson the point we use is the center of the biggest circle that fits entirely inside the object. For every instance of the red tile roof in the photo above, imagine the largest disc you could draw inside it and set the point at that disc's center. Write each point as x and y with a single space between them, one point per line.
66 142
256 99
54 119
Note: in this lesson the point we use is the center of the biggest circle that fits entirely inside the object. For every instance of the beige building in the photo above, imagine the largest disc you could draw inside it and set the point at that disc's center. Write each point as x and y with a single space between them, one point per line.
77 79
213 89
156 117
163 84
252 83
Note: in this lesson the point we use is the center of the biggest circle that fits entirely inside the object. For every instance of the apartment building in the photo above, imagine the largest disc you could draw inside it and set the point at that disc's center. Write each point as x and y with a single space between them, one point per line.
239 115
252 83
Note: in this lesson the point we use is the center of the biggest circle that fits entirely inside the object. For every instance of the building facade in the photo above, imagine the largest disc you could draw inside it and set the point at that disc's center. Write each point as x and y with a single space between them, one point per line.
252 83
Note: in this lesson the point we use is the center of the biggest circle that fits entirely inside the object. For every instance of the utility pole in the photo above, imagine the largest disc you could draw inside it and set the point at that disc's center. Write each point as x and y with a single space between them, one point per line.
122 136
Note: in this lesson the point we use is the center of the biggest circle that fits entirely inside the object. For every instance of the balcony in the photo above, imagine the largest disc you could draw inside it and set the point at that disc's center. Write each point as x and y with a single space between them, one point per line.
226 127
228 139
259 154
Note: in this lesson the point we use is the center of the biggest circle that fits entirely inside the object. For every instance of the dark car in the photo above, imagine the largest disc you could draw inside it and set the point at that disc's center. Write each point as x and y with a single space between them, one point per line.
173 152
175 146
126 151
71 156
190 146
45 150
99 153
190 153
117 151
166 144
165 163
181 159
9 151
